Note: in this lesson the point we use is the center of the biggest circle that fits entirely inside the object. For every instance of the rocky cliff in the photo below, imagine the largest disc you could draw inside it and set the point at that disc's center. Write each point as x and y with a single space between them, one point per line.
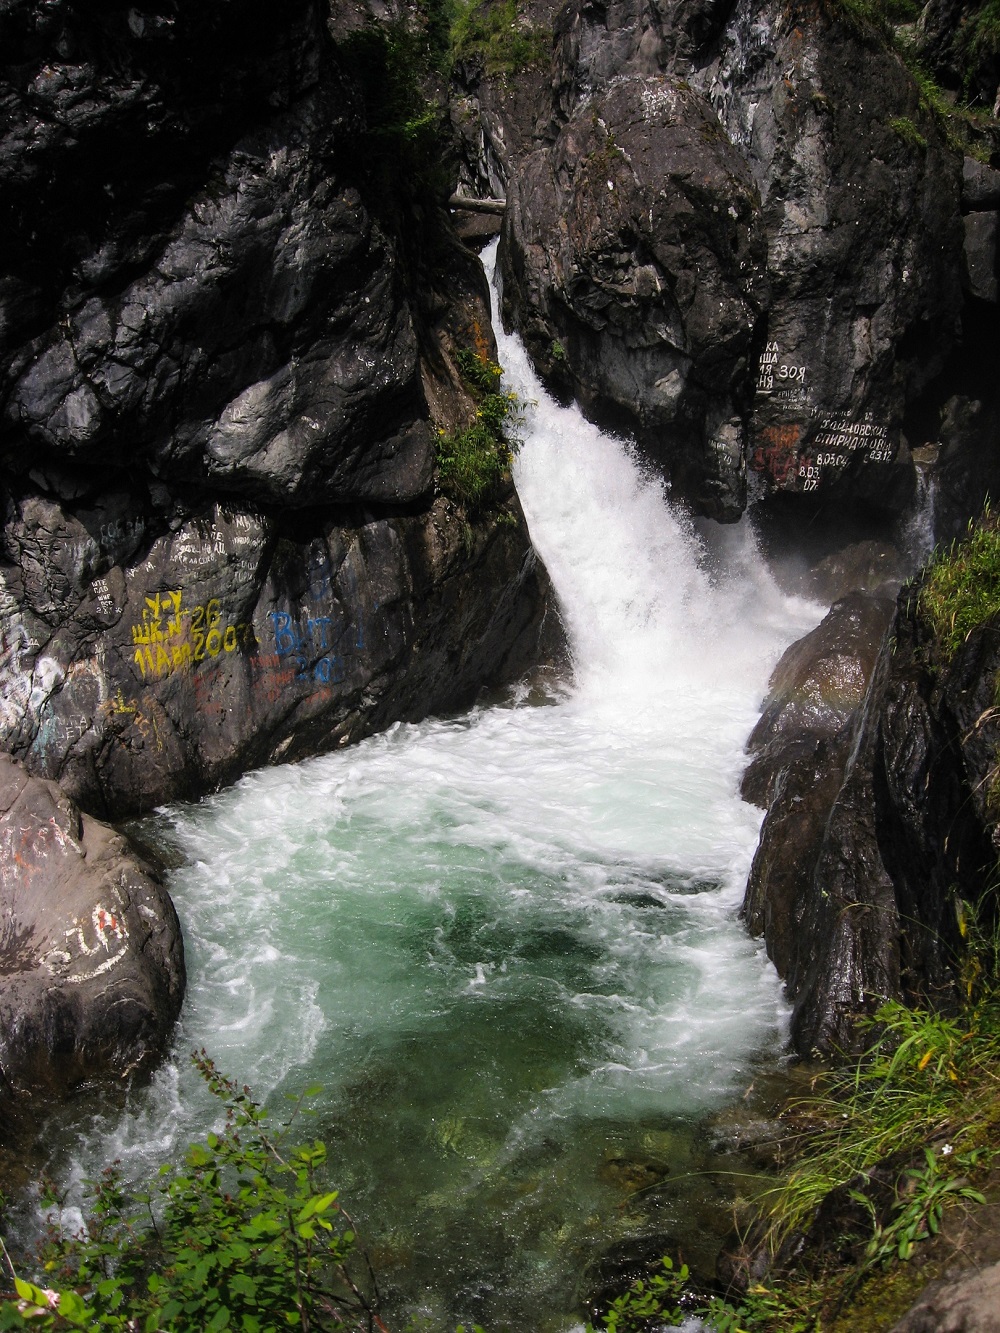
223 542
739 231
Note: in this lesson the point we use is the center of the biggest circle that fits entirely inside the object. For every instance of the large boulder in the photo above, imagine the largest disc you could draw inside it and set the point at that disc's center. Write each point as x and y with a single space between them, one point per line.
815 689
91 960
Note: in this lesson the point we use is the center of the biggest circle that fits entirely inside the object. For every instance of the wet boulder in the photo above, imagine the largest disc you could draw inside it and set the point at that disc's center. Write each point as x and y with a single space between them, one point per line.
633 263
804 771
869 843
814 690
91 959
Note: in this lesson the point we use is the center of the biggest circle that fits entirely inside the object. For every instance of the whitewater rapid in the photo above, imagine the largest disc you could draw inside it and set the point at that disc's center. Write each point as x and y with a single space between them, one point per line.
506 944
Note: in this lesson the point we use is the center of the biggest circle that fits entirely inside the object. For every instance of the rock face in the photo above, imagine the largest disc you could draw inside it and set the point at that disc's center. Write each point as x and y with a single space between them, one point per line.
969 1303
815 690
634 259
91 960
733 230
860 202
222 544
867 837
233 638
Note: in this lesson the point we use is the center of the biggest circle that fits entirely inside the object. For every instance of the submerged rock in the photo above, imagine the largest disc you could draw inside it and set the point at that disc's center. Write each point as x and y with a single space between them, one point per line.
91 959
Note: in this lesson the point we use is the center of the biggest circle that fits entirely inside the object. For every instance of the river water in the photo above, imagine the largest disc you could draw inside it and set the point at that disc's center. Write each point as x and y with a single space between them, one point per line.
506 943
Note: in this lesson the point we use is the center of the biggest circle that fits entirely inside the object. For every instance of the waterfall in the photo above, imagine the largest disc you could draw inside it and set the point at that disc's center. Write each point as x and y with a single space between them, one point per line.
506 944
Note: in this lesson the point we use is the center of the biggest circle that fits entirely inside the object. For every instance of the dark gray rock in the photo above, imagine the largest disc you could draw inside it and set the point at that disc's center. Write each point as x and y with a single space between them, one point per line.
981 230
91 960
980 185
633 266
864 245
867 843
859 204
222 343
867 566
966 1303
249 333
815 689
231 639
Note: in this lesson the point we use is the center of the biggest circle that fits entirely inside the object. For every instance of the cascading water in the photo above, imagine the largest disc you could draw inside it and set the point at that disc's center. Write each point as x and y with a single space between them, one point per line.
505 943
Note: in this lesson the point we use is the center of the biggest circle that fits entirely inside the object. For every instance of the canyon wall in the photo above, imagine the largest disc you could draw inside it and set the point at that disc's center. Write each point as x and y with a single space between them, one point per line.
223 343
741 233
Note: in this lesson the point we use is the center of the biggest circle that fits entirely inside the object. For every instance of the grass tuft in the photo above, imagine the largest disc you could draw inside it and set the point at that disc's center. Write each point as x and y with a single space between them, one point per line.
907 131
497 35
961 588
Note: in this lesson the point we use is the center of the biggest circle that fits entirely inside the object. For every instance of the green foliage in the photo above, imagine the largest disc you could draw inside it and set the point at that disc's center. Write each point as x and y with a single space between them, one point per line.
880 14
907 131
493 32
917 1113
400 144
979 38
474 463
244 1236
892 21
924 1077
961 587
649 1303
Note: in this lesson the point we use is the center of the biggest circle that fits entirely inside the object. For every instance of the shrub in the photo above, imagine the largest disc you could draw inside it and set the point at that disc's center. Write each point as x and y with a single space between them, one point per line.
243 1236
400 147
474 464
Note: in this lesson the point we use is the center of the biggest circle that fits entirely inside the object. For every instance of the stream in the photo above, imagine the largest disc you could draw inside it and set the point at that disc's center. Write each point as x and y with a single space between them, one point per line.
506 944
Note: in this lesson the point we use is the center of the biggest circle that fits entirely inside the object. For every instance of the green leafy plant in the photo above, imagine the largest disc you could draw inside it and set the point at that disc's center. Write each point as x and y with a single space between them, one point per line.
474 463
244 1235
650 1302
919 1211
